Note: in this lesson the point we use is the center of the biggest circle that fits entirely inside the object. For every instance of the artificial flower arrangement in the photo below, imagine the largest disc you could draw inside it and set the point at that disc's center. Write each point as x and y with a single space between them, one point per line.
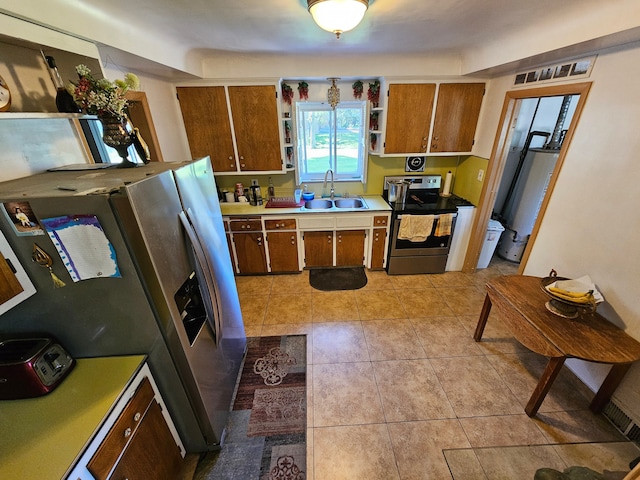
303 90
287 93
357 89
373 94
102 97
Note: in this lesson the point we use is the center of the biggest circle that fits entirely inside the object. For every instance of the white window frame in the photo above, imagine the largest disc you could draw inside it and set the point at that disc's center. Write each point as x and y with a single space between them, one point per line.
301 171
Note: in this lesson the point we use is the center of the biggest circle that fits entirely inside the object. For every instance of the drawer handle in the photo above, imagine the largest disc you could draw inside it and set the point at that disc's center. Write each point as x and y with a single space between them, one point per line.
137 417
127 433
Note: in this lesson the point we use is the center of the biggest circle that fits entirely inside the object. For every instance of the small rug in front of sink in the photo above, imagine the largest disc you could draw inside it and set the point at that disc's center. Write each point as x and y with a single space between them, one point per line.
337 278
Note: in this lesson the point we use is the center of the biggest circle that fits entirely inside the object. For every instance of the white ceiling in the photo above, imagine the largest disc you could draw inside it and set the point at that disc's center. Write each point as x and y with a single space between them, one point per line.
389 26
159 32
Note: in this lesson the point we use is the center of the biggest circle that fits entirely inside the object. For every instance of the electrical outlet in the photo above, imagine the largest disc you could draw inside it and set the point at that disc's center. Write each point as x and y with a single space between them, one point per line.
480 175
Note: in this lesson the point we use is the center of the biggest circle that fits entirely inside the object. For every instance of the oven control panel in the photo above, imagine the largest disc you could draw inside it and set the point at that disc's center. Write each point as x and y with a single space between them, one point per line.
417 182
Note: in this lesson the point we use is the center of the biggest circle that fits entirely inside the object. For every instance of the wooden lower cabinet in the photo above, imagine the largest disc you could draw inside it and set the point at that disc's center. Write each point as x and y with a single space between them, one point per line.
318 249
150 453
378 252
250 252
350 248
139 445
283 251
326 243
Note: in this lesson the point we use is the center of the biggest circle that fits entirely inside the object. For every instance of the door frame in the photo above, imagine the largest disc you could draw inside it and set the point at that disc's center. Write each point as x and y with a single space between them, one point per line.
498 160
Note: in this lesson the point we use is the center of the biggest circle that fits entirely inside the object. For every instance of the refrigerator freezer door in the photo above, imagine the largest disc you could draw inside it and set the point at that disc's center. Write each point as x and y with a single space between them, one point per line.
211 302
165 258
199 197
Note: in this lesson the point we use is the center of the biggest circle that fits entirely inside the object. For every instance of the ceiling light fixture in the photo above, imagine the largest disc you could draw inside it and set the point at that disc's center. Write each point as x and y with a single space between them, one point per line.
337 16
333 94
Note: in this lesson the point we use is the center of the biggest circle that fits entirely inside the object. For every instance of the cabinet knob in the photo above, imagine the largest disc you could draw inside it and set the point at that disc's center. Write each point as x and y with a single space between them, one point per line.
137 417
127 433
242 165
232 165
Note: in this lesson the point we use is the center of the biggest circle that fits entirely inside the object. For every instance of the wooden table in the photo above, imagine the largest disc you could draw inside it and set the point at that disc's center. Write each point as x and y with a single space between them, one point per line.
591 337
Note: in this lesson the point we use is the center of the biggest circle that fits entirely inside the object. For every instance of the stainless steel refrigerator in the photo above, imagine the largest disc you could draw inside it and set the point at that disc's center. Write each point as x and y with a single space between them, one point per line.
173 298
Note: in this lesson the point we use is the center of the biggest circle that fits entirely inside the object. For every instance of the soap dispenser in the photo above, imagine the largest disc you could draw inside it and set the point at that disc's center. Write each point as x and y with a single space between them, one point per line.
307 194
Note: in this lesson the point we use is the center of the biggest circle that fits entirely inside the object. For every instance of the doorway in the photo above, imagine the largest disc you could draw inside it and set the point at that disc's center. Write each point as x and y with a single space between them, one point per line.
498 160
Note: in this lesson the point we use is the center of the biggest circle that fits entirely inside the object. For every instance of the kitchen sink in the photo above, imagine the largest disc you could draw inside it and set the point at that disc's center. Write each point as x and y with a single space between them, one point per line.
349 203
338 203
318 204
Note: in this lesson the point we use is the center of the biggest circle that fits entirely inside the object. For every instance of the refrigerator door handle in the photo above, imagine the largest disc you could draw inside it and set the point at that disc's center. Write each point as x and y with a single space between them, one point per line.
212 307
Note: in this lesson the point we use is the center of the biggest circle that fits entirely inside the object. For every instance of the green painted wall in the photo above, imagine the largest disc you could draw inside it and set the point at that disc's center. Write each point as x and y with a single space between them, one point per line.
464 184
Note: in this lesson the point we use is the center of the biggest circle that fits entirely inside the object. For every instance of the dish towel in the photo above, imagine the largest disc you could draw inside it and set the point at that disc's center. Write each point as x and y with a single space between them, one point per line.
415 228
443 228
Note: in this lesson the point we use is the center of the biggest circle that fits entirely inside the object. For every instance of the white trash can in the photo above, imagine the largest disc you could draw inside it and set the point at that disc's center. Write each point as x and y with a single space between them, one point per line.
494 230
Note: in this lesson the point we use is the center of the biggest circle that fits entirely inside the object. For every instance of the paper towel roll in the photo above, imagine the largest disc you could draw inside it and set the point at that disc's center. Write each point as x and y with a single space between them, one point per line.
446 191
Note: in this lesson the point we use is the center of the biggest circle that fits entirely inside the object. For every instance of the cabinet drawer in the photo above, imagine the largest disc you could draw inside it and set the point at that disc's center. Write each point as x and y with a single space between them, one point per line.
351 221
313 221
245 225
116 440
380 221
282 224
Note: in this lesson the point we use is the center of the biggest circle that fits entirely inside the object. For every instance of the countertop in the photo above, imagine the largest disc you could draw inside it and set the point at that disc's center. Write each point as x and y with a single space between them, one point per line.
43 437
375 203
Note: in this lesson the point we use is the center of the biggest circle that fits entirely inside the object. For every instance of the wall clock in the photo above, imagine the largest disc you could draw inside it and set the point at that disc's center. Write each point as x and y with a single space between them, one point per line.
415 164
5 96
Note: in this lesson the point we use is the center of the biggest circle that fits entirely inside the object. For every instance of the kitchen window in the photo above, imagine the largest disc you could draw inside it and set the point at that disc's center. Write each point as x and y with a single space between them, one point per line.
331 139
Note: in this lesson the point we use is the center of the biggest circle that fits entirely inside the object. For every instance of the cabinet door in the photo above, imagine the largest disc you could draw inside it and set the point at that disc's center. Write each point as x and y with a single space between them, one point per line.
9 283
283 251
349 248
120 435
408 118
152 452
318 249
250 252
456 118
378 252
255 122
206 120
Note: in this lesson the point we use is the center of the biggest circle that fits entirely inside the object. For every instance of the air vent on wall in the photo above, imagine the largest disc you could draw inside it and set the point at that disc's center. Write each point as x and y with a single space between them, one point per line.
572 70
622 421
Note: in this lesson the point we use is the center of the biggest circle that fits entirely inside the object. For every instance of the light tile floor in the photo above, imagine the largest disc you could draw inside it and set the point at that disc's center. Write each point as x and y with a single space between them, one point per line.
398 389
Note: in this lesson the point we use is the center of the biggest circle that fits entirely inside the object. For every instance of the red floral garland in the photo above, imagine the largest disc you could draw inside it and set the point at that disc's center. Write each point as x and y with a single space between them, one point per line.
303 90
287 93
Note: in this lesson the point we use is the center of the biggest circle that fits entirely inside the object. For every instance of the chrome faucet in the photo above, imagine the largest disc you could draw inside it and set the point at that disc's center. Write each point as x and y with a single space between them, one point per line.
324 186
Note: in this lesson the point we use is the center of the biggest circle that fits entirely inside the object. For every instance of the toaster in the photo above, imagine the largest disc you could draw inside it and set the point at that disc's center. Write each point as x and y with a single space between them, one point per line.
31 367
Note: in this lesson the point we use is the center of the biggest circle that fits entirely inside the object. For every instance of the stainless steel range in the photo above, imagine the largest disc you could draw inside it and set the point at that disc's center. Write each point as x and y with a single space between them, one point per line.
422 244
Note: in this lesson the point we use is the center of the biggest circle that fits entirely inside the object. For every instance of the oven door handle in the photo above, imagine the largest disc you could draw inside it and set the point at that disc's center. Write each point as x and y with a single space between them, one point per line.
399 217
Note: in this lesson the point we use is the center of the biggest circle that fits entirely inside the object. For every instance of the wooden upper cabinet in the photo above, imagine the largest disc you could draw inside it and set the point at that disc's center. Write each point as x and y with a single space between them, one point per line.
408 118
255 120
206 120
456 117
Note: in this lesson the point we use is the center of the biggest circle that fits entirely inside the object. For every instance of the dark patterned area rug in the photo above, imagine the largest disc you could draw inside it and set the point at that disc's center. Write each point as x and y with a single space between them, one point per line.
266 433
